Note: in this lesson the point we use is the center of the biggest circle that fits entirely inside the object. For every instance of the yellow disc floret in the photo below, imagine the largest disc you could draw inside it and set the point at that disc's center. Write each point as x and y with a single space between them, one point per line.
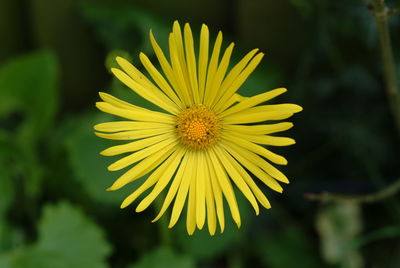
198 126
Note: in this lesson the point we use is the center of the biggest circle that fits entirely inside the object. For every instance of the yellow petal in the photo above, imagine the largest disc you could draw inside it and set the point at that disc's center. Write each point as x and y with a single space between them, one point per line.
212 68
163 181
236 177
136 114
221 104
165 66
139 155
183 190
134 134
265 139
191 63
200 190
259 129
236 152
251 116
203 60
217 195
141 168
118 103
150 181
179 70
219 75
159 79
275 158
210 202
260 162
117 126
135 145
191 207
156 97
233 74
173 189
253 101
226 186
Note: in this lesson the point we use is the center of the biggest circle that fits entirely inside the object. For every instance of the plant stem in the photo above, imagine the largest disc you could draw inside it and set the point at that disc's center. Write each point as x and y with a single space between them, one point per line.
381 13
394 11
368 198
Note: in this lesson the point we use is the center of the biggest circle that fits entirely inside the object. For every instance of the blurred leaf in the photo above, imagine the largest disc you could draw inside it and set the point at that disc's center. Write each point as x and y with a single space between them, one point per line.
88 165
67 238
125 27
29 86
273 247
6 189
338 225
164 257
28 103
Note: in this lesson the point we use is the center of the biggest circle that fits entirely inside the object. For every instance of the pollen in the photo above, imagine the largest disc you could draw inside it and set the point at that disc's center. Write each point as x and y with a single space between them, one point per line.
198 127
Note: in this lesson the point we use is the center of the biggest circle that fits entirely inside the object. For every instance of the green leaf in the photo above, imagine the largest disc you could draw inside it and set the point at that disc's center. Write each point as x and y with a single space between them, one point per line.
89 167
29 86
28 103
164 257
67 238
126 27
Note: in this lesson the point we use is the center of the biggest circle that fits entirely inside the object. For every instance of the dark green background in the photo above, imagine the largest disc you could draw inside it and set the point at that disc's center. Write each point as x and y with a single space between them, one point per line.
54 211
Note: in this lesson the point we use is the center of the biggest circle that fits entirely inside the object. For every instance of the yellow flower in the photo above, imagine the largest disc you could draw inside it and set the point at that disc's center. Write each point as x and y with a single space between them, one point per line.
207 137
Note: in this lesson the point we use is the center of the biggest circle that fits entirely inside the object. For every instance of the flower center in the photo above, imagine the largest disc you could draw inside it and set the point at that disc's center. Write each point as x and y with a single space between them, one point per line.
198 126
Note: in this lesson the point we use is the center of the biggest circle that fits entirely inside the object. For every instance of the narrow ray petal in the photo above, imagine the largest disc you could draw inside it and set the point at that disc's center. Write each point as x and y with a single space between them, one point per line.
136 114
173 189
226 186
273 157
134 134
203 60
250 116
159 79
216 188
139 155
136 145
237 178
249 181
191 206
221 104
117 126
253 101
219 75
253 168
157 98
210 201
142 168
233 74
200 190
212 68
191 63
150 181
260 129
163 181
183 191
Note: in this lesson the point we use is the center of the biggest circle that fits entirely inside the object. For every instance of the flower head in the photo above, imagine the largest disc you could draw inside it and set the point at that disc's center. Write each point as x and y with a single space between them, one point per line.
208 138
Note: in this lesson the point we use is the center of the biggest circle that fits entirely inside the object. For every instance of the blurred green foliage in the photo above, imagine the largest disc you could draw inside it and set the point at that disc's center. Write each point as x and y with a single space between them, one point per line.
54 210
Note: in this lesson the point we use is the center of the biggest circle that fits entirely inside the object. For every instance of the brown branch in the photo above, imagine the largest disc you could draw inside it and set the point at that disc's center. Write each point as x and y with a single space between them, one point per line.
389 191
381 13
393 11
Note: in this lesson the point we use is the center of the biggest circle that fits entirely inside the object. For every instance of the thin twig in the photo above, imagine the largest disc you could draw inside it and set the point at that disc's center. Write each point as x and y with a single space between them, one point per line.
381 13
393 11
390 190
